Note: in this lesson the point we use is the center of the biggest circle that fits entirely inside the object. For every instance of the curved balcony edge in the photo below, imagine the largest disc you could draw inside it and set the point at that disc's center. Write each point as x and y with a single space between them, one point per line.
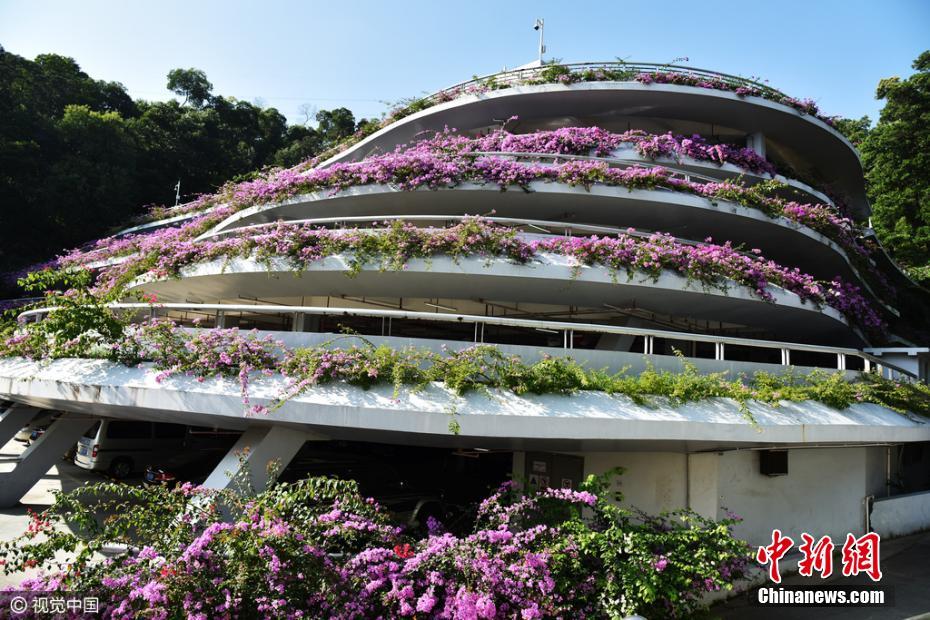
588 418
725 170
551 279
668 211
803 132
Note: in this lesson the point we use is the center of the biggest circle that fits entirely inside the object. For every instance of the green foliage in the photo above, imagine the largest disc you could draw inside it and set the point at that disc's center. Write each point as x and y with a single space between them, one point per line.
484 367
896 157
192 84
80 324
650 563
855 129
553 72
79 156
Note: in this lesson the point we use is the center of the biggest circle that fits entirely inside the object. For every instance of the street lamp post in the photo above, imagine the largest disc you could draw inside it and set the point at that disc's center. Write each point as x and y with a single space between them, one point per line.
540 25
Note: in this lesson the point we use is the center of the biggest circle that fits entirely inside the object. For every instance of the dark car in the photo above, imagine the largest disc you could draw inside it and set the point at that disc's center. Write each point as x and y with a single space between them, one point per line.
201 450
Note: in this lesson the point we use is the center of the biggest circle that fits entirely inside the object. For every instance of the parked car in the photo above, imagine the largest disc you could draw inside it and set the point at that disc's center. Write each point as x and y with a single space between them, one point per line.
36 427
122 447
156 476
203 449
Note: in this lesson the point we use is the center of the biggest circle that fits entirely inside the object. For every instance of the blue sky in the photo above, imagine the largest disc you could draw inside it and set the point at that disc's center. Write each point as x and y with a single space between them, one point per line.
363 54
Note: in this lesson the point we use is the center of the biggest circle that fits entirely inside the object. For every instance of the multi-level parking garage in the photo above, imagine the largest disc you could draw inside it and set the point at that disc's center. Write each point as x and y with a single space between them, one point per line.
625 215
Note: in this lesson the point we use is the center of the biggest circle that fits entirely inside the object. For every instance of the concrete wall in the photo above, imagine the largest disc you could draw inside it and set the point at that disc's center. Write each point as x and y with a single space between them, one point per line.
901 514
822 494
876 471
704 483
653 481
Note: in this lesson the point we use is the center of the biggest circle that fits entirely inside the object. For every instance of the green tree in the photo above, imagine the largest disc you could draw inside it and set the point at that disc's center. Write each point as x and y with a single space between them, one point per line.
192 84
855 129
79 156
92 180
37 144
896 156
335 125
301 143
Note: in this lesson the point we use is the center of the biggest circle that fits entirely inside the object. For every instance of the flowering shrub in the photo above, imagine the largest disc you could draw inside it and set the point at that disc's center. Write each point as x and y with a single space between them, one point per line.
561 74
448 159
598 142
207 353
229 353
435 166
424 168
317 548
394 245
80 324
567 75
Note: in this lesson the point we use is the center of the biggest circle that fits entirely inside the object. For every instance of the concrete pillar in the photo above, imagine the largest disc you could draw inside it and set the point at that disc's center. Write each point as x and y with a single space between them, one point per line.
756 141
519 465
41 455
14 418
620 342
703 483
245 468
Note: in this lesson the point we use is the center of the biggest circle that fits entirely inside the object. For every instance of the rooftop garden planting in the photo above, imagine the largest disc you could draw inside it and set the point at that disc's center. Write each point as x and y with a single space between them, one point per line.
570 74
448 160
86 328
319 549
602 143
392 246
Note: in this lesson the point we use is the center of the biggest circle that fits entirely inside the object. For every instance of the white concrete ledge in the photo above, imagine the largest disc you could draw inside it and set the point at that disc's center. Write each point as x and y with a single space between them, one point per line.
806 135
679 213
550 278
586 420
901 515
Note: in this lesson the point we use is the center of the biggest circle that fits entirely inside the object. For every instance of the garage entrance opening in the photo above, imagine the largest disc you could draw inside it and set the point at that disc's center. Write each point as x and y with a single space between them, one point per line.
413 483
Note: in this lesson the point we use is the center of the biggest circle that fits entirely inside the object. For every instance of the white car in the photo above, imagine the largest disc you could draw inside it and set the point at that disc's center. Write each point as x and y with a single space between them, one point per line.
38 424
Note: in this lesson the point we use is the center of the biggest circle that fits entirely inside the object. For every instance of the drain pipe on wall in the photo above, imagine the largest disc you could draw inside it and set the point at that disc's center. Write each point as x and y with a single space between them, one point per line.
688 481
867 505
888 471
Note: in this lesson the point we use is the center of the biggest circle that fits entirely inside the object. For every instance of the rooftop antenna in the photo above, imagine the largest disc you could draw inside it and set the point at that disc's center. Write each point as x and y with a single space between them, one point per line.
177 193
540 25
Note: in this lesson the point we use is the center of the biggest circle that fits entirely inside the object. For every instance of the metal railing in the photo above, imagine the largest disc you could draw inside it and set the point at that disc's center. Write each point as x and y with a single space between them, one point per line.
567 329
520 76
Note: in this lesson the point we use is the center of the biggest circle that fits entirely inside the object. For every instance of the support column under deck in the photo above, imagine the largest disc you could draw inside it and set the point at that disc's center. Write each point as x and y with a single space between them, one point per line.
245 468
756 141
14 418
41 455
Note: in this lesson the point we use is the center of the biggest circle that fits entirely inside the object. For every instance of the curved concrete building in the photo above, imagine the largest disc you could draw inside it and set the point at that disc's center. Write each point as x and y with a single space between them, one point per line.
741 181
